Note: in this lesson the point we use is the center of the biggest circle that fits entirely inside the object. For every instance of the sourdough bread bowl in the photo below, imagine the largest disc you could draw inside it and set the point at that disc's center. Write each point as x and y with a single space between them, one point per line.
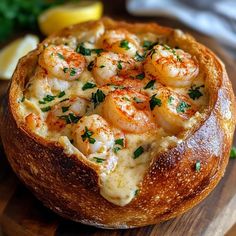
119 125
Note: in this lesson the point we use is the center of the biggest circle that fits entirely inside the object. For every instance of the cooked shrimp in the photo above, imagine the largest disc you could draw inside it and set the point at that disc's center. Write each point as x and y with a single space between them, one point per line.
128 110
120 41
33 121
92 134
41 84
172 67
62 62
112 68
171 110
66 112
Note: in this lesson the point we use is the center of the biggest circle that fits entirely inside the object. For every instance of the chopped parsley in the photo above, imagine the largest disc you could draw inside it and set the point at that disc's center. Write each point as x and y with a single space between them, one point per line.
119 66
72 72
87 51
98 159
116 149
140 76
182 107
138 100
136 192
170 100
71 118
65 109
172 51
198 166
233 153
124 44
148 45
150 84
65 99
194 92
65 69
97 50
45 109
46 99
61 94
126 99
88 135
22 99
82 50
88 85
102 66
138 152
139 57
90 66
120 142
98 97
60 56
154 102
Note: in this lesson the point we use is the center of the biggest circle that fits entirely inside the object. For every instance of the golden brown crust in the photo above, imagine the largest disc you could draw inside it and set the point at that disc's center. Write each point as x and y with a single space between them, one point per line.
171 185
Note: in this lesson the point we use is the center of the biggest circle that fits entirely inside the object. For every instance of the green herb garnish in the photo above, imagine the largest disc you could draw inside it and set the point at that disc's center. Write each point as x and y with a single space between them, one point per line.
60 56
102 66
198 166
140 76
87 51
22 15
73 72
45 109
119 66
126 99
98 97
137 100
148 45
154 102
136 192
139 151
71 118
150 84
172 51
233 153
170 100
65 69
61 94
82 50
139 57
194 92
97 50
88 135
182 107
22 99
124 44
116 149
120 142
65 109
46 99
88 85
98 159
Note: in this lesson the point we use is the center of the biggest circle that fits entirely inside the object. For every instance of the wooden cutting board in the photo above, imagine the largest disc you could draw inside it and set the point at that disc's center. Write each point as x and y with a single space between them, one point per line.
21 214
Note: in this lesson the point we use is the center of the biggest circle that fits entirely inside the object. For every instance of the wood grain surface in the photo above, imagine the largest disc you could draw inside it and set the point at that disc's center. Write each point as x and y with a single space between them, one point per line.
21 214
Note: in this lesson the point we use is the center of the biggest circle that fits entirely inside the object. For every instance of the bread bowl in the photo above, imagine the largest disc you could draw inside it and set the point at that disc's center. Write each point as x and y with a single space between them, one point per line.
151 164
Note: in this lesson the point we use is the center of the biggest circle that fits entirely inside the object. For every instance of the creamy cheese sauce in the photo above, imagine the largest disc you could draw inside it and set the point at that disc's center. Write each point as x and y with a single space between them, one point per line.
114 99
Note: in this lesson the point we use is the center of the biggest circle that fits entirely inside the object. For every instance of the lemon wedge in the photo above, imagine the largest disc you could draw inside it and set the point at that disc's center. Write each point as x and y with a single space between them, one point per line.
10 54
57 18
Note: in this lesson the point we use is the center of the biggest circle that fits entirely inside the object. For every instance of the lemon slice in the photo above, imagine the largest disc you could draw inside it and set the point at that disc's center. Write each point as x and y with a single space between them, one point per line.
57 18
10 54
